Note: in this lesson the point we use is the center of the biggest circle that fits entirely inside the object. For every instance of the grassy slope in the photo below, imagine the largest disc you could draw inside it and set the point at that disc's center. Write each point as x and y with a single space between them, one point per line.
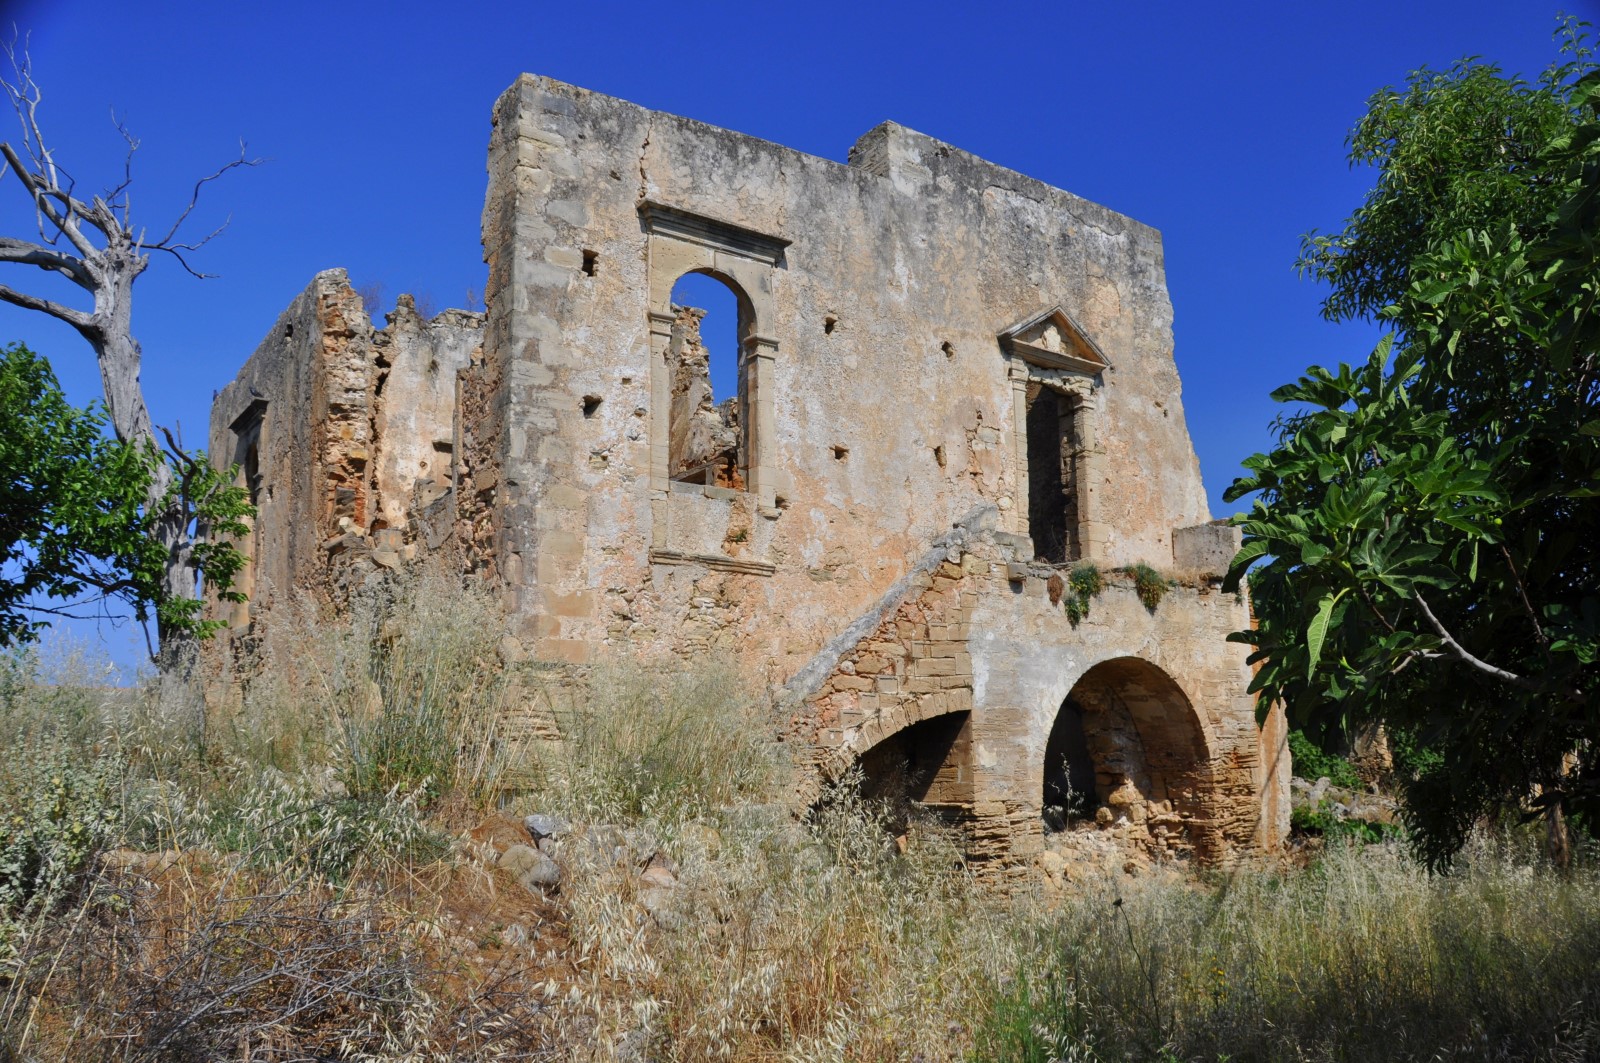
306 885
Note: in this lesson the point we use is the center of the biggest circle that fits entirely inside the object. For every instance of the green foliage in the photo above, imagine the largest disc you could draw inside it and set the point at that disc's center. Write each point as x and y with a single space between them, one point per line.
57 811
1033 1017
1311 762
1324 822
1412 757
74 518
1427 526
218 509
1150 585
69 496
1457 151
1083 583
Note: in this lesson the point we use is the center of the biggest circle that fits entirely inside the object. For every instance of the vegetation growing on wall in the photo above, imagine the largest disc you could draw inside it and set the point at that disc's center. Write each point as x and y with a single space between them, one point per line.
1084 582
1150 585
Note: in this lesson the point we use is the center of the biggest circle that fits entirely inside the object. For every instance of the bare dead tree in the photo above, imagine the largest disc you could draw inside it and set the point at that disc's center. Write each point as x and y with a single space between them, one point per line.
95 243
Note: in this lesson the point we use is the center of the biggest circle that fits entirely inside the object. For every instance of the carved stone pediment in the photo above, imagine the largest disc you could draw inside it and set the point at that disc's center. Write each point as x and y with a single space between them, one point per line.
1053 340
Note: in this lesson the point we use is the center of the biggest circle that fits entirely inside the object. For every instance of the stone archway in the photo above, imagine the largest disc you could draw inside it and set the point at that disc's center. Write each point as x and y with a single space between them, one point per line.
1127 754
923 766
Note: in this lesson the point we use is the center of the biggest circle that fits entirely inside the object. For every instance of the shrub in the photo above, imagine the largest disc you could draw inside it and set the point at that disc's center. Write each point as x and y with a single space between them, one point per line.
56 813
1324 822
1312 762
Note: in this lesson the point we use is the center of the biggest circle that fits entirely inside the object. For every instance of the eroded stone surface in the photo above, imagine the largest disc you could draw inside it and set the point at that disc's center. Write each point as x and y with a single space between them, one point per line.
955 383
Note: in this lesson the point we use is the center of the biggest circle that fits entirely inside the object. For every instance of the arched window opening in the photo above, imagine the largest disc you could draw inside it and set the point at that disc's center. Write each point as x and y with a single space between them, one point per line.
1054 451
1127 754
707 438
926 766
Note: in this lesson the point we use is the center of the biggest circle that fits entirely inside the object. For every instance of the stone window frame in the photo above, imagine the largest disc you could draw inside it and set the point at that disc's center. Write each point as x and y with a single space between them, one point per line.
1076 373
681 242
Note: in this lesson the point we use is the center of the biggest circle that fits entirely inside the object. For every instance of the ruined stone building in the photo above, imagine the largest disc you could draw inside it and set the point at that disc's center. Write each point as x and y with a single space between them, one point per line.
953 384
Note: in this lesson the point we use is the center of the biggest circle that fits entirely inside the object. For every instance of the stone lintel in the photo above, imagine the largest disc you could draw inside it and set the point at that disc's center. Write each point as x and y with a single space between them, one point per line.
713 233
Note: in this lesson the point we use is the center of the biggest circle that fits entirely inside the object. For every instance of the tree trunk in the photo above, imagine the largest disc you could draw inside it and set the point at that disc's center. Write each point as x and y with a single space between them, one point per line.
1557 840
119 356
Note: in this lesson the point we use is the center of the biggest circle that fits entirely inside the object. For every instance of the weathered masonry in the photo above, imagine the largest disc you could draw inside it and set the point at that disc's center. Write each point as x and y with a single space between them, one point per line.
952 384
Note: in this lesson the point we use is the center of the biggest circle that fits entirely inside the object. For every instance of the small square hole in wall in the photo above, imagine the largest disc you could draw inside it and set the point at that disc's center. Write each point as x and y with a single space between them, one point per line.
938 455
827 324
591 403
841 453
948 348
591 261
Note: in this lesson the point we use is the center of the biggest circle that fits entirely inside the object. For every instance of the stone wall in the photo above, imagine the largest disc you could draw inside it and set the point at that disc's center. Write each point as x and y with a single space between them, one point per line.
881 403
954 383
345 434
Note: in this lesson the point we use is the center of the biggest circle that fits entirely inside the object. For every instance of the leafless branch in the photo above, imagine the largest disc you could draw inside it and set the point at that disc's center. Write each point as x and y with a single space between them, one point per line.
165 243
42 191
31 254
84 323
1463 655
127 170
185 262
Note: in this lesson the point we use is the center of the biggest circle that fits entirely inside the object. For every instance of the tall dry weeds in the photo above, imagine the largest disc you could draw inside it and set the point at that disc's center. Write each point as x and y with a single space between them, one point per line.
1362 956
296 893
407 692
668 743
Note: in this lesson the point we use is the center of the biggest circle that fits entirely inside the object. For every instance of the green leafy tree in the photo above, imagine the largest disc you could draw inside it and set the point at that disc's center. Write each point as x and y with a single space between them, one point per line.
74 521
97 246
1426 529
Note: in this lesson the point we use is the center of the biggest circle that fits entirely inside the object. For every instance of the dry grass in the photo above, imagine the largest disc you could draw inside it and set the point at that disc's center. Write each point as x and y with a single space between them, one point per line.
298 888
669 744
1361 956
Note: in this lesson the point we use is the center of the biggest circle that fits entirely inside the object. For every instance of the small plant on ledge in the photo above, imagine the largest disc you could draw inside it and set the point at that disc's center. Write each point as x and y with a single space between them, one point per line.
1150 585
1084 581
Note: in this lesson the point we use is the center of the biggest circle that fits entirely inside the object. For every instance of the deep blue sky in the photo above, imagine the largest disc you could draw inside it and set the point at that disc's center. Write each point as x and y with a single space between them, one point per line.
1220 124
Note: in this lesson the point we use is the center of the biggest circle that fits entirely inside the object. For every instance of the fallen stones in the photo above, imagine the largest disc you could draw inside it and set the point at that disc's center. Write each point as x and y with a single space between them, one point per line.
542 826
534 869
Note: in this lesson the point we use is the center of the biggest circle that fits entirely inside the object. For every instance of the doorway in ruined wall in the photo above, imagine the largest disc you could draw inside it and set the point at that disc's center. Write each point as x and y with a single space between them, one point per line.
246 429
708 426
1127 753
926 767
1055 458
